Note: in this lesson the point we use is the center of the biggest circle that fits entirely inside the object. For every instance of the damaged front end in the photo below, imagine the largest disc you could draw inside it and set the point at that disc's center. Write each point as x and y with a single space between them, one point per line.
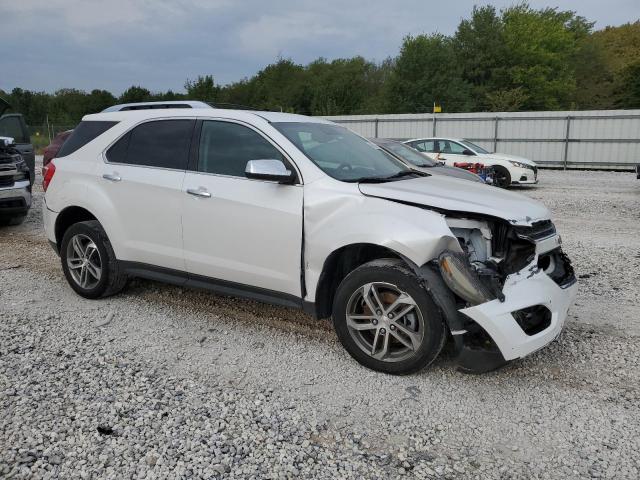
509 289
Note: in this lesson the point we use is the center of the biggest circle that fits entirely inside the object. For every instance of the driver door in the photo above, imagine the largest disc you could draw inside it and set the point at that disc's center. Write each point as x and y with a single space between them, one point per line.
451 152
236 229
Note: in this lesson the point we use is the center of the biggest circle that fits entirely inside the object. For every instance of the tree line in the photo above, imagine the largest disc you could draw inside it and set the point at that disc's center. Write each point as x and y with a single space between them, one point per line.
515 59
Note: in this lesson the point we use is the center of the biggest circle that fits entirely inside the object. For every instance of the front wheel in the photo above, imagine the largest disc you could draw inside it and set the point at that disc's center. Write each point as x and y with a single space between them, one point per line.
386 320
502 177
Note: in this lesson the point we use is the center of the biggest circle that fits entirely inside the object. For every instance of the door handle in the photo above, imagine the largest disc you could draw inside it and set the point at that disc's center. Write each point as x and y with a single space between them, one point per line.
112 177
199 192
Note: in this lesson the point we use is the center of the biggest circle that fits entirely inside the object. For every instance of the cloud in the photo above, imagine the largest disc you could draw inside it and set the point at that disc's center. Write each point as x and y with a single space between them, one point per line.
113 44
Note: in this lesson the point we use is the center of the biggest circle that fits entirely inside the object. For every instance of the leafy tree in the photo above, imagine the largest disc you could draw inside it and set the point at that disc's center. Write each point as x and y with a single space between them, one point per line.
342 86
135 94
480 50
628 87
203 88
426 72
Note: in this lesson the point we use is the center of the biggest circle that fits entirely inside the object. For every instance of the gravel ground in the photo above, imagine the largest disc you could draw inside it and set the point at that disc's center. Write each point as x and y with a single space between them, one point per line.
160 382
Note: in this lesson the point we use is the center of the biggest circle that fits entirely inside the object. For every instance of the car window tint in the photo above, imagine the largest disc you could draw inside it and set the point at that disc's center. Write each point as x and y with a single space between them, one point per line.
454 148
162 144
118 151
424 146
11 126
225 148
83 134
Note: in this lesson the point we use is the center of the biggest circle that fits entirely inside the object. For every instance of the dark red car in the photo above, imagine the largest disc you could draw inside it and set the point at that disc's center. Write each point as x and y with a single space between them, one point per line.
53 148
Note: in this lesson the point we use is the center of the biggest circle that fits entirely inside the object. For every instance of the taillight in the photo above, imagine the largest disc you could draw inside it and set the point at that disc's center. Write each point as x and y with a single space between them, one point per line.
47 172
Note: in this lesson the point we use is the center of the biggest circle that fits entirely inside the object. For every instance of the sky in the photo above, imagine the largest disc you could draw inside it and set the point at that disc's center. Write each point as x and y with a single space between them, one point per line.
113 44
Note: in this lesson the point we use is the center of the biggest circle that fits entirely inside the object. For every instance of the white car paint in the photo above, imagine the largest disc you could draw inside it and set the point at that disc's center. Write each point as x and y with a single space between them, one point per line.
268 236
519 175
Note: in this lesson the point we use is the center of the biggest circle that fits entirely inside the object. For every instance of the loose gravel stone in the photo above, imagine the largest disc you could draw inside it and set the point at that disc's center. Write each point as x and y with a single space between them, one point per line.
186 384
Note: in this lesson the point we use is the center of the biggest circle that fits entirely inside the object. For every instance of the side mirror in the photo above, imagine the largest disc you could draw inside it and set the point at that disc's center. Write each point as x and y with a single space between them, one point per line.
466 151
273 170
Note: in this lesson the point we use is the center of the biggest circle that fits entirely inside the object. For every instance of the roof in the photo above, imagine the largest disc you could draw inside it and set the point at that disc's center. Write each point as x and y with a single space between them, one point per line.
112 114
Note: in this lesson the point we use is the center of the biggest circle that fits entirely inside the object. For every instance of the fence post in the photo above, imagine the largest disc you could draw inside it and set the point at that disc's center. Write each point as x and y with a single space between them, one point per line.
495 134
566 143
434 125
376 128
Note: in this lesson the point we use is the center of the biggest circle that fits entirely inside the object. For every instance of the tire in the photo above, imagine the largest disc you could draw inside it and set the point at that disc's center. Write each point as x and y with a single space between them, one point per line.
12 221
90 239
502 177
392 281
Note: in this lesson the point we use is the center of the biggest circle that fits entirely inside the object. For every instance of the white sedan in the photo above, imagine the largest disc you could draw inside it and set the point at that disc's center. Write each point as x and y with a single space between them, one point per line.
509 169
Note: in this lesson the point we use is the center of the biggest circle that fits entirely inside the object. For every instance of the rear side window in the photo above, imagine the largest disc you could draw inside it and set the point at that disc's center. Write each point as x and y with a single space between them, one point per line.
425 146
83 134
162 144
225 148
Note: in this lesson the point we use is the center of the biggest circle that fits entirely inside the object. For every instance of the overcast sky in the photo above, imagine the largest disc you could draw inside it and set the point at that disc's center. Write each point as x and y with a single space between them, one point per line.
113 44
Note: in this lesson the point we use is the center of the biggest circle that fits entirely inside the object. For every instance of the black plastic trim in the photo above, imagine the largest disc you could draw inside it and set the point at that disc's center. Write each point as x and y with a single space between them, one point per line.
224 287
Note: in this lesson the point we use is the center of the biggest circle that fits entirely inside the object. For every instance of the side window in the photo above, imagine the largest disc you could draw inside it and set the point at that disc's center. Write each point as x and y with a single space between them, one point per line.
225 148
424 146
11 126
161 143
456 148
83 134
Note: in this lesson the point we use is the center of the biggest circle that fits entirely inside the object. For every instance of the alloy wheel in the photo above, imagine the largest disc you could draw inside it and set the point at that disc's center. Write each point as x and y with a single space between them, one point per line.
83 261
385 322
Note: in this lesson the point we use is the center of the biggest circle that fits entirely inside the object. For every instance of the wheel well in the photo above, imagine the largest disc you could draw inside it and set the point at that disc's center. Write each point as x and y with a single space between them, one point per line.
68 217
338 265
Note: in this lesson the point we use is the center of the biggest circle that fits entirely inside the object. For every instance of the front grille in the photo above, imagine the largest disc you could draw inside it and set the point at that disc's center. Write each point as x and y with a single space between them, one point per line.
6 182
537 231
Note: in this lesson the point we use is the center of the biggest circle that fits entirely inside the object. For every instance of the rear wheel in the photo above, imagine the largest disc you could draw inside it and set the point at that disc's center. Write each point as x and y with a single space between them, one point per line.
502 177
88 261
386 320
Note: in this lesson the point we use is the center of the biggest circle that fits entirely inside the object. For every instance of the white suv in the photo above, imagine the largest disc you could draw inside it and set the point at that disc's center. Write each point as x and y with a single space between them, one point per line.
508 169
302 212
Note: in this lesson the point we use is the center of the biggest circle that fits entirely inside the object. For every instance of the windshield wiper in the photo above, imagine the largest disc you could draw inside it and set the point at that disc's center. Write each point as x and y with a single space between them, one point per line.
401 174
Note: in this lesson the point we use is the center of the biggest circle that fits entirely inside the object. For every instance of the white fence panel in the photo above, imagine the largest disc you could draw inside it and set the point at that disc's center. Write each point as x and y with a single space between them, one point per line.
586 139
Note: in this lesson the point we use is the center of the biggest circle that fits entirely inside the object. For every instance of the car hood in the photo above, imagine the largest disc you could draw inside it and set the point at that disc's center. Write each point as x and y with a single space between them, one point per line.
515 158
456 195
450 171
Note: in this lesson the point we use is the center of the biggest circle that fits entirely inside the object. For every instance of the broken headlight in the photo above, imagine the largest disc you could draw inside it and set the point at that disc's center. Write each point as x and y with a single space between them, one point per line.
462 279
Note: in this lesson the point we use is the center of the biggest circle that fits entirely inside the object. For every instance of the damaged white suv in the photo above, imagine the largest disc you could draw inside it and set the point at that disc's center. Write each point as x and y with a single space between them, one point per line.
301 212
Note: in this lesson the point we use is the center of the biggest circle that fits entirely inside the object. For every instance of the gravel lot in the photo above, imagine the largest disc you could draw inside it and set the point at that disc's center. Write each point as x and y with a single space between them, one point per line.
161 382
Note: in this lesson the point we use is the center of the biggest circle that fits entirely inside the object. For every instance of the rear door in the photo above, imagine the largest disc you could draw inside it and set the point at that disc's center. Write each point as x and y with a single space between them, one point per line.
13 125
142 177
237 229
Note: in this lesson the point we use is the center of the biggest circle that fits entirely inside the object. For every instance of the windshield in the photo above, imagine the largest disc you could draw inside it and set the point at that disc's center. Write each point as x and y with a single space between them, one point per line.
409 154
341 153
473 146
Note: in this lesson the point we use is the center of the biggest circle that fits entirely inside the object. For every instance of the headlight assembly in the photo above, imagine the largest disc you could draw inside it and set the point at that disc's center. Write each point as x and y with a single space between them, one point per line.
519 164
462 279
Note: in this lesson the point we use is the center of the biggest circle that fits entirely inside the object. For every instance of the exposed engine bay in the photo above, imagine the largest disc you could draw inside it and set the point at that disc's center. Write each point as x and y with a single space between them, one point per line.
494 257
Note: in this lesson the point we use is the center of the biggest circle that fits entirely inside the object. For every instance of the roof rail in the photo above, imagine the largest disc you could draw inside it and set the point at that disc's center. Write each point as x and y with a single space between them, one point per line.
153 105
232 106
